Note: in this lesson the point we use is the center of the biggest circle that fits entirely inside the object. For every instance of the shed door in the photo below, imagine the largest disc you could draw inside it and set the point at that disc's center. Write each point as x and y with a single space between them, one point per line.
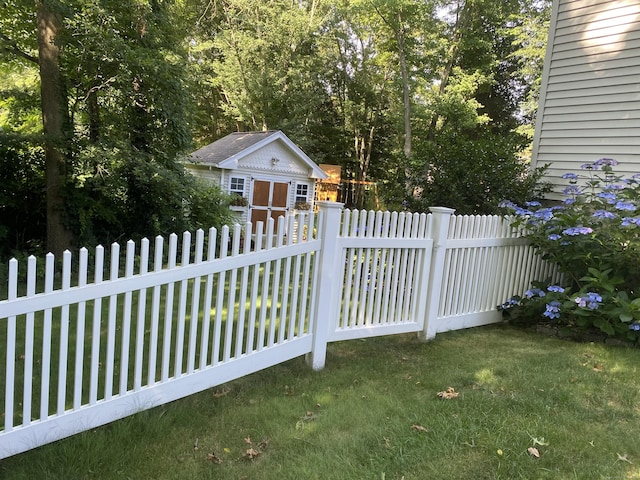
269 200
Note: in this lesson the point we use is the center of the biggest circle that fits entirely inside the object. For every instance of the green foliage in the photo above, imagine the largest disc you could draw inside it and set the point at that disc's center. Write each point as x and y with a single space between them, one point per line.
473 175
594 238
22 201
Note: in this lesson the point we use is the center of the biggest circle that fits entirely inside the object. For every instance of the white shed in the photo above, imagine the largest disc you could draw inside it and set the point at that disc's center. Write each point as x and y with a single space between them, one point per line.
270 175
589 104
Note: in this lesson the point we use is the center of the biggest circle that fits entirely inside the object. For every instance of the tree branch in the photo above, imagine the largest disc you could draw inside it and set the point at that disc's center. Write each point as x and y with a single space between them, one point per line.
11 47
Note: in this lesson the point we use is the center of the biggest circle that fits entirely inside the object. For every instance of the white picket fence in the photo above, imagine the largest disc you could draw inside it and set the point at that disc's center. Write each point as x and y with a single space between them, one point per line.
83 352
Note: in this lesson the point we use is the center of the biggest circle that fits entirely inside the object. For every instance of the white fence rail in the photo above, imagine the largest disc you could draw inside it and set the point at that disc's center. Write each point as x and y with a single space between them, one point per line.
83 352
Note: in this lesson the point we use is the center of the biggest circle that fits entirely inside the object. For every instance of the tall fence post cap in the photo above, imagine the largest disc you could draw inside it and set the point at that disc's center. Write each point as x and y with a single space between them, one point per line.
445 210
327 204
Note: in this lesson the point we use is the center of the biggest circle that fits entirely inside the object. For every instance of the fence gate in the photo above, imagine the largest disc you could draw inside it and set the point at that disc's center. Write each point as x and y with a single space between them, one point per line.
385 260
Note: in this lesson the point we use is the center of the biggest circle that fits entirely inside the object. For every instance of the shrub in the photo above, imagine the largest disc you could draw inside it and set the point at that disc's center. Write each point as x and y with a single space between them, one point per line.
594 238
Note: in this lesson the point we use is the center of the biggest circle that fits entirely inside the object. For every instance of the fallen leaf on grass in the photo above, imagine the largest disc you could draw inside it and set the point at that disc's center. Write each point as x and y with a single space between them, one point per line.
309 416
448 394
221 393
247 440
214 458
598 367
623 458
419 428
533 452
252 453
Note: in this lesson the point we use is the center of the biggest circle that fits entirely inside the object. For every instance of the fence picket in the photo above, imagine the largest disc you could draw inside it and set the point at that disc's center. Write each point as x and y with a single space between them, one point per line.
140 318
154 326
83 261
168 309
95 331
126 321
244 286
195 304
46 339
27 397
266 281
208 299
224 247
182 308
10 368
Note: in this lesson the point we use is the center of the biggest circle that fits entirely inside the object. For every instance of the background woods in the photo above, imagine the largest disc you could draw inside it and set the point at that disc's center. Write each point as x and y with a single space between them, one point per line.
99 100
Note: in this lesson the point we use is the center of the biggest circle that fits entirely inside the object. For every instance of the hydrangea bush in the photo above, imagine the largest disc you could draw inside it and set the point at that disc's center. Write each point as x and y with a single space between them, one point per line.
594 238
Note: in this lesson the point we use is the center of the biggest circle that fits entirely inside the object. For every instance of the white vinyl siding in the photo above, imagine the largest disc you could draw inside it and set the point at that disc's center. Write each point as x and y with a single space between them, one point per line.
590 100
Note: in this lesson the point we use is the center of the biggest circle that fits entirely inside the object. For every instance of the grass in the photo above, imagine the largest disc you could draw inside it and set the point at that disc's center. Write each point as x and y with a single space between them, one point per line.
374 413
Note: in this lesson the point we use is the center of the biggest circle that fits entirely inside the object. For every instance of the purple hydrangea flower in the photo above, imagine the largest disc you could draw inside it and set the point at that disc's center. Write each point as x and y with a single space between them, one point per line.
611 162
533 204
591 300
554 236
569 201
570 176
588 166
573 231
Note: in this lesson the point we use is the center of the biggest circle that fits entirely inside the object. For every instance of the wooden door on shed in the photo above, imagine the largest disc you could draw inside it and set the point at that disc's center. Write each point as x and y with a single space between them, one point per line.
269 200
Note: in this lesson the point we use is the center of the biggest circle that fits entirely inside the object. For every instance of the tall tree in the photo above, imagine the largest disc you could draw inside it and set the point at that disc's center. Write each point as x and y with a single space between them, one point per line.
55 120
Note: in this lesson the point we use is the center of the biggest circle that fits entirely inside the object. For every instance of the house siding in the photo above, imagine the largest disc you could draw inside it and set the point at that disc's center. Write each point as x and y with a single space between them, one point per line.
590 99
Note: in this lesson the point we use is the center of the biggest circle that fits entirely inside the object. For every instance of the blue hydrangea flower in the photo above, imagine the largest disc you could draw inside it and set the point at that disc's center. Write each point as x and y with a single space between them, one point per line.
570 176
532 204
603 214
615 186
628 221
533 292
569 201
544 214
573 231
512 302
507 204
588 166
635 327
552 310
591 301
554 236
610 197
523 212
626 206
555 288
572 190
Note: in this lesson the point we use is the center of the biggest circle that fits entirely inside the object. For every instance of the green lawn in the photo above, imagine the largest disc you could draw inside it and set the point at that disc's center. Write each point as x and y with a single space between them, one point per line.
374 413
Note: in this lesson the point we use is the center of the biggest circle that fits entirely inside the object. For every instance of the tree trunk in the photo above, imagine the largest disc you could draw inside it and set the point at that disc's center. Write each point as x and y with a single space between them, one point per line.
55 121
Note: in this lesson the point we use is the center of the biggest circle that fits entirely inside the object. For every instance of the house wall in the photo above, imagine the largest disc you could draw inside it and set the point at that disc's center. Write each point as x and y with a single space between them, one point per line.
590 100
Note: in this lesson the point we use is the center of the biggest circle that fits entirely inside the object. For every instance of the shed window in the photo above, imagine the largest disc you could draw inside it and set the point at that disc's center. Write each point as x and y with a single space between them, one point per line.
302 193
236 186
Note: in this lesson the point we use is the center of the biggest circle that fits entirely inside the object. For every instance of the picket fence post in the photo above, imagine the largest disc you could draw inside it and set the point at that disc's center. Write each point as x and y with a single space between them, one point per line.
327 282
441 217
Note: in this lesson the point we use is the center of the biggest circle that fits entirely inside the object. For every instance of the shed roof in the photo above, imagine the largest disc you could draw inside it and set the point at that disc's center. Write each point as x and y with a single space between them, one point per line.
227 151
